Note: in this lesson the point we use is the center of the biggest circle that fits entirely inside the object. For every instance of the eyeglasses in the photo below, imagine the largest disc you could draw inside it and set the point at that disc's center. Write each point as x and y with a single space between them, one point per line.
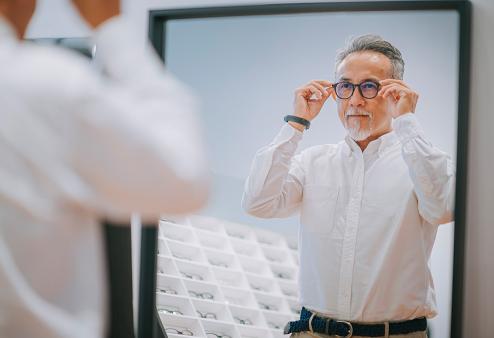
181 256
169 310
267 306
167 290
210 334
282 275
202 295
289 293
259 288
245 321
274 259
192 275
208 315
274 326
185 332
167 220
222 264
368 89
174 237
265 241
236 234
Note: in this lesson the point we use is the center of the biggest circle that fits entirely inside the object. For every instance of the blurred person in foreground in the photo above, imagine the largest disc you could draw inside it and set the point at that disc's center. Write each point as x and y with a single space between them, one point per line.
77 148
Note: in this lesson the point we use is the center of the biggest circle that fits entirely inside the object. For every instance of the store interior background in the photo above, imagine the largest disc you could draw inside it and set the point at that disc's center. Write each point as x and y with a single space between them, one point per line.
479 277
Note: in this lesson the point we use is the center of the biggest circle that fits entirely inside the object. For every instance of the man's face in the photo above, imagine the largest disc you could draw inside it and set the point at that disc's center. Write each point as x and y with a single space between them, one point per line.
364 118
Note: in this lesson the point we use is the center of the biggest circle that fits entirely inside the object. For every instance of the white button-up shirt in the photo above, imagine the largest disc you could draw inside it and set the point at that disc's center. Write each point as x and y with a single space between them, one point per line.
368 219
76 147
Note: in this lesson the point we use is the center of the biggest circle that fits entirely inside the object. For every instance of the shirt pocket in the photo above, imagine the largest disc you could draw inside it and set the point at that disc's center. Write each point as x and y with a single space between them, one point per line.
318 208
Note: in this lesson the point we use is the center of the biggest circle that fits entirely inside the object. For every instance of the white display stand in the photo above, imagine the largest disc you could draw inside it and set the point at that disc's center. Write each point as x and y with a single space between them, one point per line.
225 278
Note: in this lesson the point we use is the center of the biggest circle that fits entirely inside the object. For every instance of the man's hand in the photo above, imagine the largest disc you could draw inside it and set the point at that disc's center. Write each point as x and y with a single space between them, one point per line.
401 95
95 12
309 100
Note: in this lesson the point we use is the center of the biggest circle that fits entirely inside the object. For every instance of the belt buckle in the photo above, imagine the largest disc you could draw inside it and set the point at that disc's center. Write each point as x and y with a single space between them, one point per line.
350 328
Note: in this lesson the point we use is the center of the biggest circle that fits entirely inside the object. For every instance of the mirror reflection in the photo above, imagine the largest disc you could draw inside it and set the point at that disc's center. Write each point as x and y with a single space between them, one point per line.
332 141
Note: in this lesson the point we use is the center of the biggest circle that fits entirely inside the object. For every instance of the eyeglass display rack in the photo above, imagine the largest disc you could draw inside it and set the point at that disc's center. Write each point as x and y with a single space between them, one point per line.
219 279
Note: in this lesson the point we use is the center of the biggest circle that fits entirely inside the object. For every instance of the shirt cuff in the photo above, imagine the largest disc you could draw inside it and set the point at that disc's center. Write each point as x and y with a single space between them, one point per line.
288 134
287 139
407 127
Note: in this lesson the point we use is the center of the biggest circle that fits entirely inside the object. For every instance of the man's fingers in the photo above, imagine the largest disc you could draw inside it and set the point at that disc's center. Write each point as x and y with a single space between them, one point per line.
314 93
324 83
394 90
384 88
325 86
390 81
320 87
316 90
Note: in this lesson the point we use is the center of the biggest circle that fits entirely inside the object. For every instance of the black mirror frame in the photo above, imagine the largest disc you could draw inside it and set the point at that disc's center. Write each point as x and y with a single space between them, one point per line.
157 29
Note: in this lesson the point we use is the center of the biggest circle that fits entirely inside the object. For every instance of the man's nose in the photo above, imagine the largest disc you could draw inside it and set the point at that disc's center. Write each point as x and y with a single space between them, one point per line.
356 100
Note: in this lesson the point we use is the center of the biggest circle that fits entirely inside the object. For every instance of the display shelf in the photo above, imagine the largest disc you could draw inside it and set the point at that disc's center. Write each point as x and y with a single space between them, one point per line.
221 259
207 223
185 252
227 278
194 271
170 285
212 310
203 290
174 305
166 266
183 324
255 266
178 233
212 240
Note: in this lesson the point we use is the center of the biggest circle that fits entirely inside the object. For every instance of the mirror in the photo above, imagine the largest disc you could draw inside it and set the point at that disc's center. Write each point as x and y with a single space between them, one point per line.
244 64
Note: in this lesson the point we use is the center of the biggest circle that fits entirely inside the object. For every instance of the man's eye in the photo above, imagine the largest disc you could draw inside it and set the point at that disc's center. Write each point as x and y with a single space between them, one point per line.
368 85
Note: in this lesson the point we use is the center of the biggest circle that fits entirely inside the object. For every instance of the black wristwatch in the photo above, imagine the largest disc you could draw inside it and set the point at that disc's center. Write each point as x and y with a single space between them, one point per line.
302 121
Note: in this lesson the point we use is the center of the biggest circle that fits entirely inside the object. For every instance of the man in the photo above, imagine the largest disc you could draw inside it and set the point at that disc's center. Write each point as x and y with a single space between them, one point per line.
369 205
77 148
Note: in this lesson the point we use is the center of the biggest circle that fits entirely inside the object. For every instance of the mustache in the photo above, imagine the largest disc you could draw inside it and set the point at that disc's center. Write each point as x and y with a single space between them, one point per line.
357 112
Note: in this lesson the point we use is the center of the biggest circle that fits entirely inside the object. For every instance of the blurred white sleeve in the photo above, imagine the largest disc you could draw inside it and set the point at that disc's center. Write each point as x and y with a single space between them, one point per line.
138 142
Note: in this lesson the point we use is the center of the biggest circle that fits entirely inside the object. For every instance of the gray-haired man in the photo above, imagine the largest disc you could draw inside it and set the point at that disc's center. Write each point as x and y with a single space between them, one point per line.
369 205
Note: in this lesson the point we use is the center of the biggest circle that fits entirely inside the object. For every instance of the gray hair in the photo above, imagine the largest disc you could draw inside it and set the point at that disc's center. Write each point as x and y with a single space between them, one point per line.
374 43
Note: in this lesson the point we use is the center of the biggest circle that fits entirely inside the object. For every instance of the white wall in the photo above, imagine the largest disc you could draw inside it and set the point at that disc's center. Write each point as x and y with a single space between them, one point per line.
479 277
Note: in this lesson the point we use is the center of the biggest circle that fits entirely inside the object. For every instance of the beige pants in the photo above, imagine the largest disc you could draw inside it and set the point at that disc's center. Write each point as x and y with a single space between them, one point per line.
422 334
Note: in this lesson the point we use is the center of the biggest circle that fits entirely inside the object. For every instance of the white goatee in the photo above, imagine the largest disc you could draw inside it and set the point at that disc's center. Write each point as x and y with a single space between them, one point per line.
353 125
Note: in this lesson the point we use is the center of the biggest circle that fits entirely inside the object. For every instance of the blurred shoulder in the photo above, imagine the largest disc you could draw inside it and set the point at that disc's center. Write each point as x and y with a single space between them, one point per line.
46 70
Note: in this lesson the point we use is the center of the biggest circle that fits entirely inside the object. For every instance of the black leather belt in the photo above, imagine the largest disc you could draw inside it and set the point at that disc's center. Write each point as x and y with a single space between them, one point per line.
346 329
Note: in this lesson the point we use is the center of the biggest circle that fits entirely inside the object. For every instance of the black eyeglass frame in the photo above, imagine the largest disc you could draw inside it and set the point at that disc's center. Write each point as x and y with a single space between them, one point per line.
378 86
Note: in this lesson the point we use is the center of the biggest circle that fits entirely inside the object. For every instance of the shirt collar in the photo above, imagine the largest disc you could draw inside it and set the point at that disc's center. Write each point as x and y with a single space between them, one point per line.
379 145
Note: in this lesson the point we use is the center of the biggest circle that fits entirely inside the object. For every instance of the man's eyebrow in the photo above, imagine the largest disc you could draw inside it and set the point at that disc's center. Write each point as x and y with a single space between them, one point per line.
373 79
